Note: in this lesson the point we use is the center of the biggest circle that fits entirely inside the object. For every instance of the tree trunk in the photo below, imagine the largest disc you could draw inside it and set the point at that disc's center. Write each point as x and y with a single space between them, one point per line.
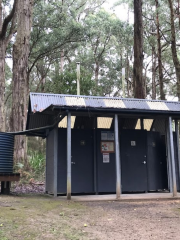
153 73
178 12
173 48
4 40
20 88
127 75
161 85
62 61
2 85
139 85
96 73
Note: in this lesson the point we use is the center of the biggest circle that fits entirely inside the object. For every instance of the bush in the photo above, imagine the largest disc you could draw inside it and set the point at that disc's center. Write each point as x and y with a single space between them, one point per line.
37 164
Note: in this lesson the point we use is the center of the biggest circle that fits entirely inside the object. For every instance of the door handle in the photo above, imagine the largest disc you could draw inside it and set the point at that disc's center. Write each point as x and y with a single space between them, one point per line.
73 163
144 162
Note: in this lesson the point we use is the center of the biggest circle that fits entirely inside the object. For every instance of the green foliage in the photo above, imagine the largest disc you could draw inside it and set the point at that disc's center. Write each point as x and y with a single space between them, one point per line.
37 163
66 83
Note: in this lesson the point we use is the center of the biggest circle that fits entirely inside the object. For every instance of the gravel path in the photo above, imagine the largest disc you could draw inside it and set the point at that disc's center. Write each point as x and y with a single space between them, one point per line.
134 221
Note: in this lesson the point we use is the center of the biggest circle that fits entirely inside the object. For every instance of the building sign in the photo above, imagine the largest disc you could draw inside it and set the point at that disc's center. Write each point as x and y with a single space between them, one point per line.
107 135
106 158
133 143
107 146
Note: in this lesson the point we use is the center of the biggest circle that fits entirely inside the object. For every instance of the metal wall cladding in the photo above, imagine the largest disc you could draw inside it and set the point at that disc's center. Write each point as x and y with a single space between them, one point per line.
6 152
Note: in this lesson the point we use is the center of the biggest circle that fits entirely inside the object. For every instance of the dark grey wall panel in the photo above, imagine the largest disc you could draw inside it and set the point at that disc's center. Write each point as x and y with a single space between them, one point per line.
133 149
156 162
62 164
176 160
50 162
82 161
106 172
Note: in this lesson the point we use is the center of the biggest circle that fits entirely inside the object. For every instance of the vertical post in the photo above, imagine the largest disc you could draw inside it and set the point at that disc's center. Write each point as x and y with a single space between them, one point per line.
55 159
78 78
46 165
142 123
117 155
172 160
95 159
168 158
178 149
69 156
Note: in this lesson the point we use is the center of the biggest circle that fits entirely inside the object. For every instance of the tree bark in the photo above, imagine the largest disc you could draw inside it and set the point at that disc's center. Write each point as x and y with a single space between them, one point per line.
62 61
20 66
161 85
138 80
153 73
173 48
5 36
2 84
96 73
127 75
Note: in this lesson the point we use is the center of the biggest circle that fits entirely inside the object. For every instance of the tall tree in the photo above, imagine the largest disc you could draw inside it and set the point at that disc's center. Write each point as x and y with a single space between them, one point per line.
139 86
162 95
173 46
20 64
7 25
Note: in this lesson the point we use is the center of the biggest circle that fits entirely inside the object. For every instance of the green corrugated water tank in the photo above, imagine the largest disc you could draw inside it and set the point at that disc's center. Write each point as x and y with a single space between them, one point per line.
6 152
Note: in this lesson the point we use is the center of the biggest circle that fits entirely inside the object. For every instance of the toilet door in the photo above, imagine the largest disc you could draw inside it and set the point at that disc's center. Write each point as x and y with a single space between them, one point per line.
133 148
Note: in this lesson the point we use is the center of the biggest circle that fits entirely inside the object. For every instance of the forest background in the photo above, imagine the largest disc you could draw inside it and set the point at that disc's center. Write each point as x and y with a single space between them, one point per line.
44 39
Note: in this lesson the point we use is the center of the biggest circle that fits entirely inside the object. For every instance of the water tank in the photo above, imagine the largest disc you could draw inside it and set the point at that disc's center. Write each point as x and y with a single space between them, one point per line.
6 152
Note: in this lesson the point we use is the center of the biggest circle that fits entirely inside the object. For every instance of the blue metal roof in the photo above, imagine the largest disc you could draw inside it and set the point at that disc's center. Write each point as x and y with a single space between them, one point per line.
41 101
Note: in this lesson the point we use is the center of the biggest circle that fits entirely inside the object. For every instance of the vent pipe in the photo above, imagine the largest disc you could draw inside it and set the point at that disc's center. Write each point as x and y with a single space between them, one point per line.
78 78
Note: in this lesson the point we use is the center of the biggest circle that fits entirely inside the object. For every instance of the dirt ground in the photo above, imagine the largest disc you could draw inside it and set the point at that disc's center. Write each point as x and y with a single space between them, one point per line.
41 217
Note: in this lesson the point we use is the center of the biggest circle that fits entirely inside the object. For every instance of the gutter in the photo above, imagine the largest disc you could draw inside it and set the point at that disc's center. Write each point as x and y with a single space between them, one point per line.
33 131
118 111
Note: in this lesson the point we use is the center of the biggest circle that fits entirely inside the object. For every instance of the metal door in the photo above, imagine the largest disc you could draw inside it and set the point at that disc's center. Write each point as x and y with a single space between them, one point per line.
106 172
133 144
82 161
156 162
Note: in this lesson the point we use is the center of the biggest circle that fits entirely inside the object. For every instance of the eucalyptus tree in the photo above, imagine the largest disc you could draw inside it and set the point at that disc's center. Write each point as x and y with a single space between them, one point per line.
7 28
20 64
139 85
123 32
99 36
174 36
57 28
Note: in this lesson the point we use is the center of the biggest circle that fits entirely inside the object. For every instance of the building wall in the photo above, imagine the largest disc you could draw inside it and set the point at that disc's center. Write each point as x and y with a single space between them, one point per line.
176 161
50 162
62 164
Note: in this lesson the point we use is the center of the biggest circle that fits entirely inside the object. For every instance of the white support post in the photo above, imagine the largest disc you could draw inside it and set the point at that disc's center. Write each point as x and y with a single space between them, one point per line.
117 155
172 160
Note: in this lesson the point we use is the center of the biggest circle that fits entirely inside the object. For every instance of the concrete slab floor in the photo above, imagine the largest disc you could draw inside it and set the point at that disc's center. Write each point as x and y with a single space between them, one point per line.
124 197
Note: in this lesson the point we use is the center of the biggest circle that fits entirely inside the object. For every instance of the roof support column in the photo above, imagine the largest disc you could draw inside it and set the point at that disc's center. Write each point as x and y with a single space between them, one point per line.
95 154
178 149
117 155
171 157
142 123
55 159
69 156
168 158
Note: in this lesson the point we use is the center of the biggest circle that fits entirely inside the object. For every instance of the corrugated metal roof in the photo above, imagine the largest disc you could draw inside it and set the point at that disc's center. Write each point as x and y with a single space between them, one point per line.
41 101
